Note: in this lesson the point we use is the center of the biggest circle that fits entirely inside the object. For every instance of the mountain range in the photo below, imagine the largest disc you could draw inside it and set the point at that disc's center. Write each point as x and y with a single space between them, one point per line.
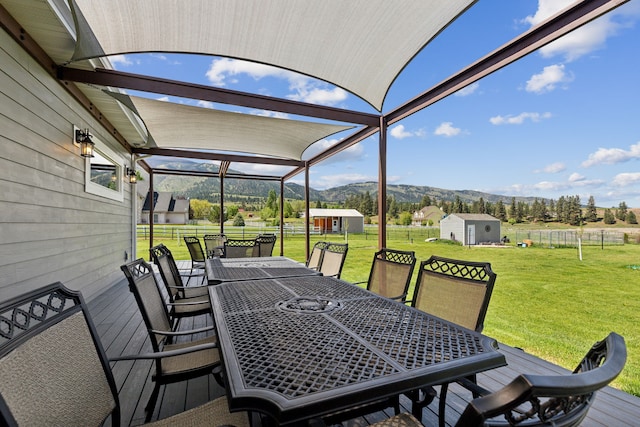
254 190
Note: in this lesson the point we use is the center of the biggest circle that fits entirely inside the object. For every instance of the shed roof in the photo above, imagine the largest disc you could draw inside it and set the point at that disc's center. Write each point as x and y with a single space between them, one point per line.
474 217
317 212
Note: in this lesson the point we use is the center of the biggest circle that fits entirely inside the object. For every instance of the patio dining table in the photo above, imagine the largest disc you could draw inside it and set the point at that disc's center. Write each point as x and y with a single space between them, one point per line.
298 348
233 269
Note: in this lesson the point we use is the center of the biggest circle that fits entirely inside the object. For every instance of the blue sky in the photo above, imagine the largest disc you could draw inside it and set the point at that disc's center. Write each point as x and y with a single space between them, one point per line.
564 120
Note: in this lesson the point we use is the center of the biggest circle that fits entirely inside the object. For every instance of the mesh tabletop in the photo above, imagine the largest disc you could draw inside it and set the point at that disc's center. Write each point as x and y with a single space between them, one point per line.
234 269
300 347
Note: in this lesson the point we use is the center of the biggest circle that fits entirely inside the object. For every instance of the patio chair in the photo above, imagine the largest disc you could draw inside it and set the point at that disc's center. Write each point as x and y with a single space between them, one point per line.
390 274
214 244
455 290
241 248
333 257
183 301
315 259
265 244
541 400
196 253
143 285
55 370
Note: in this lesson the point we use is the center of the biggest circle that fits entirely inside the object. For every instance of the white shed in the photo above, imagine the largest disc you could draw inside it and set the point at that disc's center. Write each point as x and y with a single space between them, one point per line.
470 229
337 220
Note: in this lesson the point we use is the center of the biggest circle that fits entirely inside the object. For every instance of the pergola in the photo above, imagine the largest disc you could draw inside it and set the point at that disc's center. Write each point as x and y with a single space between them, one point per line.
360 45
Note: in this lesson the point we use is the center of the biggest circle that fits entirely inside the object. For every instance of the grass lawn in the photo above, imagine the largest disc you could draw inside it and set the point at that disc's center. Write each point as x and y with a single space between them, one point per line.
545 301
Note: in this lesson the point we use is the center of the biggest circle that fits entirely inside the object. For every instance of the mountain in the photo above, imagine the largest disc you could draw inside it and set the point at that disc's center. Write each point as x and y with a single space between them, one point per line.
252 191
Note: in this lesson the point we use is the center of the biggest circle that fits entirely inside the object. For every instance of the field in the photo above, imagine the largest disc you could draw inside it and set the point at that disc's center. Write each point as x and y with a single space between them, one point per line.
546 300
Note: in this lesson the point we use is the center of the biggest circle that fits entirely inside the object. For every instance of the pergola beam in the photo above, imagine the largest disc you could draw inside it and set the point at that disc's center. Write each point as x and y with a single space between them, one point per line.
158 85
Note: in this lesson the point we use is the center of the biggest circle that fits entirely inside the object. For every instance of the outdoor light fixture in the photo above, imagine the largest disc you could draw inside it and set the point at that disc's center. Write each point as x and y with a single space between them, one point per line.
131 174
83 140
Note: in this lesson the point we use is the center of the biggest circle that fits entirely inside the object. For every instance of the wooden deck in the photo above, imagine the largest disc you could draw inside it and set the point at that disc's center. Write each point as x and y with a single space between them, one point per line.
122 331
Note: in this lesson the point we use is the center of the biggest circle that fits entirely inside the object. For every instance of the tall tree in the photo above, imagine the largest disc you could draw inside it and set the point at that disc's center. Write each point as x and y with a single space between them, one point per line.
608 217
501 211
591 214
621 212
512 209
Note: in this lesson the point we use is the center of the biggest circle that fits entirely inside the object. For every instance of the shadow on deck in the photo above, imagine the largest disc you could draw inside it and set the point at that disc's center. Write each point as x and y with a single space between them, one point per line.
122 331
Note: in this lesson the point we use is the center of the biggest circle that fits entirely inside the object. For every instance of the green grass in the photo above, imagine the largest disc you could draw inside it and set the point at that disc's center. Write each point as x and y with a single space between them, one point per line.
545 301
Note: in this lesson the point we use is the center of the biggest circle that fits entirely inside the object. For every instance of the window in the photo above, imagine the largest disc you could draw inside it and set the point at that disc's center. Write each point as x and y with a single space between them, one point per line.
104 173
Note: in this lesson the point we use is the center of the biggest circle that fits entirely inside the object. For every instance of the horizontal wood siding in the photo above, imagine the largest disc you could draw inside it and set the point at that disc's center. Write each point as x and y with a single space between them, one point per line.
50 228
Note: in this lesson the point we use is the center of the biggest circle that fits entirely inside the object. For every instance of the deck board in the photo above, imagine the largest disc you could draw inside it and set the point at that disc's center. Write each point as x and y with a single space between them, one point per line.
122 331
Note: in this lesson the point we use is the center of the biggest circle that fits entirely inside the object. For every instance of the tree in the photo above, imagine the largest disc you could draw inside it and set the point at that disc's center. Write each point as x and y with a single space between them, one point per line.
238 221
631 218
608 217
512 209
214 214
501 211
426 201
200 208
591 214
405 218
621 212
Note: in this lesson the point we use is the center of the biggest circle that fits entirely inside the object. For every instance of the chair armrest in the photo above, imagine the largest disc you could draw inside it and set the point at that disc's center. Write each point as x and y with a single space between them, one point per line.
187 332
163 354
184 304
473 387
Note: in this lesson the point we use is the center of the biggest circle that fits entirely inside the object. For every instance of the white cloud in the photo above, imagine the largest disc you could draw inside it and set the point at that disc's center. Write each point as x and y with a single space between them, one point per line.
546 81
163 98
625 179
519 119
576 177
355 152
120 60
222 70
447 129
205 104
466 91
267 113
581 41
555 167
399 132
610 156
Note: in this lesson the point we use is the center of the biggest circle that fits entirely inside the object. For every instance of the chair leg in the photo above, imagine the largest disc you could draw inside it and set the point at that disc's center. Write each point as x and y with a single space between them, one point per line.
151 404
442 404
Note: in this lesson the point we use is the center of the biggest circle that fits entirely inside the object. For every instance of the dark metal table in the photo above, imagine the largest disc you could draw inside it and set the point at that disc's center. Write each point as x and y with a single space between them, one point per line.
232 269
301 347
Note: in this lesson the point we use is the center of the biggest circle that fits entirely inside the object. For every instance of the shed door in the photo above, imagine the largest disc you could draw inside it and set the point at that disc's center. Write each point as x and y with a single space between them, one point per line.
335 228
471 234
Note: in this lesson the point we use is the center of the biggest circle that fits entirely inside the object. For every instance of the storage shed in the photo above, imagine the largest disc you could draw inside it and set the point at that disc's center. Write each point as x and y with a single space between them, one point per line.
337 220
470 229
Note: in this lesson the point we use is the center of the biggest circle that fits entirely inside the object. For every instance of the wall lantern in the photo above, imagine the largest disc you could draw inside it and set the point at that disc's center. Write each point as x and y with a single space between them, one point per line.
83 140
131 174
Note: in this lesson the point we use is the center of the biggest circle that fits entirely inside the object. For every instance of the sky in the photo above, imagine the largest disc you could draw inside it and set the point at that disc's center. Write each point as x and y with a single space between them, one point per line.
562 121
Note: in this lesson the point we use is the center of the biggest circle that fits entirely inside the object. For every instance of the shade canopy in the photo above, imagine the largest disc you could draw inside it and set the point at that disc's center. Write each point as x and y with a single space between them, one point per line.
359 45
187 127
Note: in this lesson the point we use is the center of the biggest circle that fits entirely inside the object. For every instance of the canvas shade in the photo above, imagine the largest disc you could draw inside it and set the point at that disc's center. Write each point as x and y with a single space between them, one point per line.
182 126
359 45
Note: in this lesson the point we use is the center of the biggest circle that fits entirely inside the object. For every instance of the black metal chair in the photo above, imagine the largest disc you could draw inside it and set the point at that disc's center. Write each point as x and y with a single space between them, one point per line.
143 285
196 253
55 370
265 244
183 301
455 290
241 248
391 272
315 258
214 244
540 400
333 257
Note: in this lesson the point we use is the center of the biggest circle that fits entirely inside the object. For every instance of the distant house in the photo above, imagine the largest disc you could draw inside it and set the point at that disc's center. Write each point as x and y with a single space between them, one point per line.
426 214
166 209
337 220
470 229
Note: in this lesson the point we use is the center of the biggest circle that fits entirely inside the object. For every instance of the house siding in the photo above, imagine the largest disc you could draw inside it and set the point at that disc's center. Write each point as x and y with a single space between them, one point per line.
456 226
50 228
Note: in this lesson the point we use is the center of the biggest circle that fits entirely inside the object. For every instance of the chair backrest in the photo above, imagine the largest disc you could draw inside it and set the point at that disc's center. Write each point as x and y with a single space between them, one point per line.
455 290
214 243
315 258
143 285
163 258
542 400
195 248
53 367
240 248
265 243
391 272
333 257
